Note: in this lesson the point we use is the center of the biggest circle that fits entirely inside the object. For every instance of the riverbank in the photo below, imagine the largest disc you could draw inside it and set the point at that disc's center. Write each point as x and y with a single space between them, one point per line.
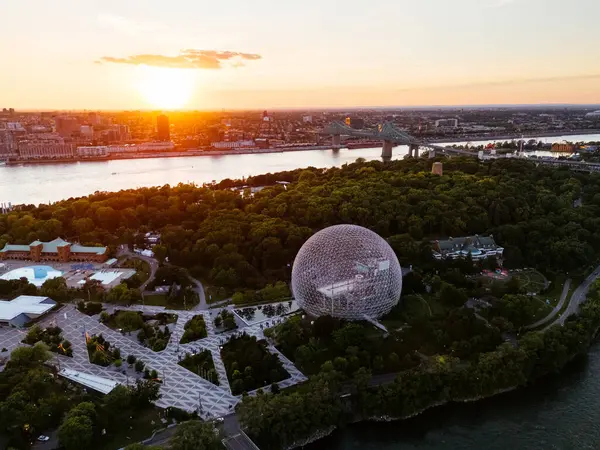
505 136
441 380
170 154
300 148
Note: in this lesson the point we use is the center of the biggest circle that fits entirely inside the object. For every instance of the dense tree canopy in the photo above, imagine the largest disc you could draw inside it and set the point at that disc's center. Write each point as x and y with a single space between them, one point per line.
246 242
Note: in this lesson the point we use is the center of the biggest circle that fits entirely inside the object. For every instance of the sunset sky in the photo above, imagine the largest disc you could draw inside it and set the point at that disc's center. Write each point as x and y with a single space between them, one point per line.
199 54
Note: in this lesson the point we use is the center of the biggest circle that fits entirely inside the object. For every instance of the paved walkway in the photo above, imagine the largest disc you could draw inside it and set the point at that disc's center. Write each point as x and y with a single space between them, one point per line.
181 388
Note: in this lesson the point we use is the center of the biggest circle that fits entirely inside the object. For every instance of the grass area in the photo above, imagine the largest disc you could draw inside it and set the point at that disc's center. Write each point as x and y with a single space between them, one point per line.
531 280
202 365
161 299
543 309
250 365
555 290
156 300
140 428
215 294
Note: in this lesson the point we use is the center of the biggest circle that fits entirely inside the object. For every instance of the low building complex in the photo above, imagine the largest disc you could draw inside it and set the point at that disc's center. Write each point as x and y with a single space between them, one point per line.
23 309
479 247
57 250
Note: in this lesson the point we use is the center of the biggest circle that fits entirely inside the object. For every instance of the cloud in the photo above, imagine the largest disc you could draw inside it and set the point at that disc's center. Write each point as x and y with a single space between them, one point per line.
187 59
125 25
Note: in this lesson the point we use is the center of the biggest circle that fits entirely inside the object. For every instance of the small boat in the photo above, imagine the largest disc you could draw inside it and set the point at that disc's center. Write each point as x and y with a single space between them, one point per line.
114 173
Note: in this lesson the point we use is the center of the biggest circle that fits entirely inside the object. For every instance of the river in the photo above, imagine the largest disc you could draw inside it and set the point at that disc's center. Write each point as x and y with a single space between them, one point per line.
43 183
557 413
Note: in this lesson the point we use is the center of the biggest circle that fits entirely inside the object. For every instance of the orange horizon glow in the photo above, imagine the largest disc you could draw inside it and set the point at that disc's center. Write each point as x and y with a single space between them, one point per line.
286 55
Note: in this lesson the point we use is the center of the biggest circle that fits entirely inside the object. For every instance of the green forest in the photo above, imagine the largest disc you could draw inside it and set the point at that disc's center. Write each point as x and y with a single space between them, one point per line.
246 242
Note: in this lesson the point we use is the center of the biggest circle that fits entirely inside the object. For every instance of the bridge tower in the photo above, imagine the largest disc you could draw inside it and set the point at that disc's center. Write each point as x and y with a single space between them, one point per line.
431 153
413 151
336 141
386 152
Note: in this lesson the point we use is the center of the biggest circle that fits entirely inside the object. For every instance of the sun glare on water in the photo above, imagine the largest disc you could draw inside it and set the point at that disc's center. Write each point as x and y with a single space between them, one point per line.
166 88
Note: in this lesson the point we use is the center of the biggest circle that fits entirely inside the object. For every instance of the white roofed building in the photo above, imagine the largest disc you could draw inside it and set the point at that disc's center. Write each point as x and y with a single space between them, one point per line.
24 309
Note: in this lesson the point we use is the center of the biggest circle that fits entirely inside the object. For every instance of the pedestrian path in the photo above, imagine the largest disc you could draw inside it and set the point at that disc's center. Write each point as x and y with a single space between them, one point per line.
180 387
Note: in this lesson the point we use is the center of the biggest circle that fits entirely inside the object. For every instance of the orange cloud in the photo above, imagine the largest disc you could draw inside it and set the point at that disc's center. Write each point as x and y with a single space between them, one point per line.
187 59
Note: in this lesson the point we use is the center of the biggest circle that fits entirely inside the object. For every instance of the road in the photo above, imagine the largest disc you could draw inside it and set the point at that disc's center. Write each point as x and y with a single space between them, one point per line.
200 291
124 251
555 311
578 297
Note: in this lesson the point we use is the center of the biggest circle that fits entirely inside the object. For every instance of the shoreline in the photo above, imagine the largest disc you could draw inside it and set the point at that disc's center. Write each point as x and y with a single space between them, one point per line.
257 151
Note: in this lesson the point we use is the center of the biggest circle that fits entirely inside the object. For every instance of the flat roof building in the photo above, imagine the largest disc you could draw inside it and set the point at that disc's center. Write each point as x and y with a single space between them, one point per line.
23 309
103 385
56 250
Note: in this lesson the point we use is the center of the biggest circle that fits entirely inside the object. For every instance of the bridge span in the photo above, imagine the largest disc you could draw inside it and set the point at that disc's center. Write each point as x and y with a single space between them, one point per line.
390 135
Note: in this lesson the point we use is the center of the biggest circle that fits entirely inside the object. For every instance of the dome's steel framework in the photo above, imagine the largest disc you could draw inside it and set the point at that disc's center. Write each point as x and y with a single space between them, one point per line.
348 272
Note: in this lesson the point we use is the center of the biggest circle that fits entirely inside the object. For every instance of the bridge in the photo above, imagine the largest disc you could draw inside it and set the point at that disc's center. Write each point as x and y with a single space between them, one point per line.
390 135
578 166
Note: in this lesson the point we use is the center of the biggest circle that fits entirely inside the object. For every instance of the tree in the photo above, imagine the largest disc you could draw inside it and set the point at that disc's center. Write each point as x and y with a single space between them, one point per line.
196 435
160 253
131 359
56 289
76 433
145 393
139 365
129 320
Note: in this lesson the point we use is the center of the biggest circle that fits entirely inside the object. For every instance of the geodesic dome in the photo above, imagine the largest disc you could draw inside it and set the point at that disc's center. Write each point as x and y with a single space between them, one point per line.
346 271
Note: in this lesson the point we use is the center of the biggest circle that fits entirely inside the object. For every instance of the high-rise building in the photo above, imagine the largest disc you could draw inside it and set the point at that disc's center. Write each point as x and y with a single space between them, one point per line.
357 123
66 126
163 133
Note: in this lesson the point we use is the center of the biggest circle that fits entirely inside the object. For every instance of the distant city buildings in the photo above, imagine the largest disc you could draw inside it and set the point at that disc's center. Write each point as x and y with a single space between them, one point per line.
45 150
447 123
66 126
234 144
479 247
163 131
102 150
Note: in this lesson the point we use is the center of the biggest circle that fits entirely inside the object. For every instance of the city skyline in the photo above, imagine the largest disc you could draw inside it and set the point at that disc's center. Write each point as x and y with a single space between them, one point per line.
203 56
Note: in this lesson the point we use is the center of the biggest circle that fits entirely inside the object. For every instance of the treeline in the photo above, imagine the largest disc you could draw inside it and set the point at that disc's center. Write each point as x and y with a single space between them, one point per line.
248 242
34 399
279 421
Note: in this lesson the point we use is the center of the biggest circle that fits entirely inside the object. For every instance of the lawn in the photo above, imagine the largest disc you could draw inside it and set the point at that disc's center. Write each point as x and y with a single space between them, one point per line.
250 365
543 309
156 300
140 428
202 365
531 280
215 294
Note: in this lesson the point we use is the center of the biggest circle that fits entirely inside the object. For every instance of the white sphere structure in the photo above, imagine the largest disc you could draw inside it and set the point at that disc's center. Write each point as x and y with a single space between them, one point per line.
348 272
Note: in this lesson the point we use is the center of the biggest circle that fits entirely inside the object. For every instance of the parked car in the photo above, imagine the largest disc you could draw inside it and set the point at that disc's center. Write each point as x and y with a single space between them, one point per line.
43 438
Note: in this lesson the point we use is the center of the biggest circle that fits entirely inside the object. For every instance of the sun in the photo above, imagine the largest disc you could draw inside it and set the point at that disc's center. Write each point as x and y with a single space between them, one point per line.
166 88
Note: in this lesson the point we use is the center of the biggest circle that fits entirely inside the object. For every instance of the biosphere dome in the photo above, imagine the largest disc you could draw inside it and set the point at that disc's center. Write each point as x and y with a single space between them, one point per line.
348 272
